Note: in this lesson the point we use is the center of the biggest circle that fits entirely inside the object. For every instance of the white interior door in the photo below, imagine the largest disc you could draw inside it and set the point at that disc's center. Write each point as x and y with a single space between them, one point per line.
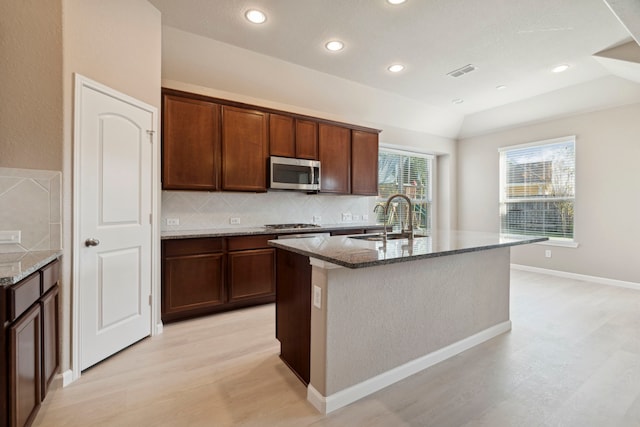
113 241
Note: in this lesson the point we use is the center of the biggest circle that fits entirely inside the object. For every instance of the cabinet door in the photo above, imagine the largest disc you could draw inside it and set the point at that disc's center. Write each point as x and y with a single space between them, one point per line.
191 284
306 139
364 163
293 311
244 149
24 367
50 327
190 144
282 138
334 148
251 274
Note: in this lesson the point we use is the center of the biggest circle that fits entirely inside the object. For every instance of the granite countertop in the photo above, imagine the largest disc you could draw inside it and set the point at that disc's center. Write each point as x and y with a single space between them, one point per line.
356 253
248 231
16 266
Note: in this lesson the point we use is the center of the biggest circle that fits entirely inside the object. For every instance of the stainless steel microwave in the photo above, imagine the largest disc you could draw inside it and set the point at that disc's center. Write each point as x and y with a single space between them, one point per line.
294 174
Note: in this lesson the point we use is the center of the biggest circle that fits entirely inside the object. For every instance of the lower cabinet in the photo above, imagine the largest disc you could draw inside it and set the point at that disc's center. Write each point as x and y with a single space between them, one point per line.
252 269
293 311
208 275
24 367
30 335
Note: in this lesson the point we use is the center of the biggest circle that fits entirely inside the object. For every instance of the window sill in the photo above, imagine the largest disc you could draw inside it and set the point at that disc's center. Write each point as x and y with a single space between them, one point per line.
561 243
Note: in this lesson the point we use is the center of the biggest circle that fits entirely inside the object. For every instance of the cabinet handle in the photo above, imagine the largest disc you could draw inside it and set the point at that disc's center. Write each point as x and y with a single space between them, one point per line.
91 242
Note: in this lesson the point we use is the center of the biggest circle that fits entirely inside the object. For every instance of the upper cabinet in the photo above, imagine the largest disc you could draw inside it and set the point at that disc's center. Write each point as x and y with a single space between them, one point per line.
306 139
291 137
364 163
214 144
334 149
244 149
190 144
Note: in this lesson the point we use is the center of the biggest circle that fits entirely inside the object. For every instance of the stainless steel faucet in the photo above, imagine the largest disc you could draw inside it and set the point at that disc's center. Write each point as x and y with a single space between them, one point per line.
386 214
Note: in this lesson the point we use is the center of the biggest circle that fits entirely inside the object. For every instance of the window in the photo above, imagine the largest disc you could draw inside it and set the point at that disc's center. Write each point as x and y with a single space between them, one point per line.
407 173
537 188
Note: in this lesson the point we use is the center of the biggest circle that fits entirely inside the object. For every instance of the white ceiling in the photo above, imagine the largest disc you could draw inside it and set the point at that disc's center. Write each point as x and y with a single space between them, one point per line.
511 42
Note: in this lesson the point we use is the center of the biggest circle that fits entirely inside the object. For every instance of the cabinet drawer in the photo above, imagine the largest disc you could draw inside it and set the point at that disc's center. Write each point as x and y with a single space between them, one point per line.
249 242
23 295
192 246
50 276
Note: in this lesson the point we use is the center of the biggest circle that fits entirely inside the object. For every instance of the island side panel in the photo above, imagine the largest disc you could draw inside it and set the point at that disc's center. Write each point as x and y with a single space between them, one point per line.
375 319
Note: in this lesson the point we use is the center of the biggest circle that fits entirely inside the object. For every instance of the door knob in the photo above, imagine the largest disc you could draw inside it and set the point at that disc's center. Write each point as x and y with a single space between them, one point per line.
91 242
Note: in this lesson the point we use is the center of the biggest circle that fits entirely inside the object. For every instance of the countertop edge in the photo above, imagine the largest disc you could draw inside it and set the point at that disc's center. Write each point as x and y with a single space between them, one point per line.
283 245
41 258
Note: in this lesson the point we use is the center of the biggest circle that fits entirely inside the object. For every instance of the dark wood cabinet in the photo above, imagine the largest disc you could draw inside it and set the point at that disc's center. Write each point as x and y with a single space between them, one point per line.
306 139
293 311
364 163
30 339
193 277
245 149
24 367
334 152
282 135
209 275
251 268
49 308
291 137
190 144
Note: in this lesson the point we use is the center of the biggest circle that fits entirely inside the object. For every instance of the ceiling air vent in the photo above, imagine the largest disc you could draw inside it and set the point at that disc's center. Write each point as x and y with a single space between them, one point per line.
461 71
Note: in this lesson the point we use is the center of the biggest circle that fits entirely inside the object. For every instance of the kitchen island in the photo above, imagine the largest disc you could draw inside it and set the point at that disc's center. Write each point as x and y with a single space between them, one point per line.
381 311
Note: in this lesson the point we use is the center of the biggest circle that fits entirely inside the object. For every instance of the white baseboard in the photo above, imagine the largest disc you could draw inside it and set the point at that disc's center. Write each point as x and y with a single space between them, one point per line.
327 404
576 276
67 377
159 329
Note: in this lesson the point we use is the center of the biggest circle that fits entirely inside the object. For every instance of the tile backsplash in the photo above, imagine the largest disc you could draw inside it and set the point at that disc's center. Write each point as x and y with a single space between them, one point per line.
31 203
203 210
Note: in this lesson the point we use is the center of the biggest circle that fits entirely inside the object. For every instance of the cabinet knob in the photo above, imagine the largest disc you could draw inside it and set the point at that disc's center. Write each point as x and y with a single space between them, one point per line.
91 242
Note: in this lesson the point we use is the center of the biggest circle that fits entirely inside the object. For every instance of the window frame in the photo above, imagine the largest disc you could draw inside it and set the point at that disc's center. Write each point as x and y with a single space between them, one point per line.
430 200
503 200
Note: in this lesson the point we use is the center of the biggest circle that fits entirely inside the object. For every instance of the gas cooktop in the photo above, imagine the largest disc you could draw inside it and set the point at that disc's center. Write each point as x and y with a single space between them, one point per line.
284 226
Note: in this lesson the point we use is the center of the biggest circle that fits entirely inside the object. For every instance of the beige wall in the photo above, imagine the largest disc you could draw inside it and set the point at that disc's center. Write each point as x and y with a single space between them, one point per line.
116 43
30 89
607 210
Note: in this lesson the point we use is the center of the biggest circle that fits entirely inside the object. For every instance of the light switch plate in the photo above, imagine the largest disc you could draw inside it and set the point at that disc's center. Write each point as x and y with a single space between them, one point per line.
10 237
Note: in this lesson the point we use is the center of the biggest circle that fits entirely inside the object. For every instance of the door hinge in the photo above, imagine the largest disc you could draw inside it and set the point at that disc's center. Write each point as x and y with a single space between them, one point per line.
150 218
150 133
149 299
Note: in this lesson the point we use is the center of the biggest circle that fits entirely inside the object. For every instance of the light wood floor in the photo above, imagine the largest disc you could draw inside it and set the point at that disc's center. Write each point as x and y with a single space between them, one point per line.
571 359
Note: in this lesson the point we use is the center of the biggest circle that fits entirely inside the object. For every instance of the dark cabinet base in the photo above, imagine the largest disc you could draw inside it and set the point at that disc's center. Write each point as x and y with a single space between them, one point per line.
293 311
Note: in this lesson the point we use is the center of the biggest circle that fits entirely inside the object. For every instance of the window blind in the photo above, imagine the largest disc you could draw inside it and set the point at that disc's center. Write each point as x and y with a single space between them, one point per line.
537 188
409 174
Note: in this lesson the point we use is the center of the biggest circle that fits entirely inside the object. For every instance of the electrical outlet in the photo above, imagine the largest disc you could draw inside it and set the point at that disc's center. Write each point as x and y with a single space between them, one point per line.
317 219
547 253
356 217
346 217
365 217
173 221
9 237
234 221
317 296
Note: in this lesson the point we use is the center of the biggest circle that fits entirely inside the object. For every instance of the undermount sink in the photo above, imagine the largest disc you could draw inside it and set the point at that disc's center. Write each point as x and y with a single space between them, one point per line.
378 237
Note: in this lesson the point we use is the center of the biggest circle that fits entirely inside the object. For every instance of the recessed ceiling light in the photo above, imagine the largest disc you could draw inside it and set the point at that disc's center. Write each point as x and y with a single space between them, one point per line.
255 16
501 87
560 68
458 101
395 68
396 1
334 45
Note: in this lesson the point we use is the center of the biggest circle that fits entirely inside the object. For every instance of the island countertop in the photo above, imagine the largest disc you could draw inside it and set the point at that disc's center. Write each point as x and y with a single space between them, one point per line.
357 253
